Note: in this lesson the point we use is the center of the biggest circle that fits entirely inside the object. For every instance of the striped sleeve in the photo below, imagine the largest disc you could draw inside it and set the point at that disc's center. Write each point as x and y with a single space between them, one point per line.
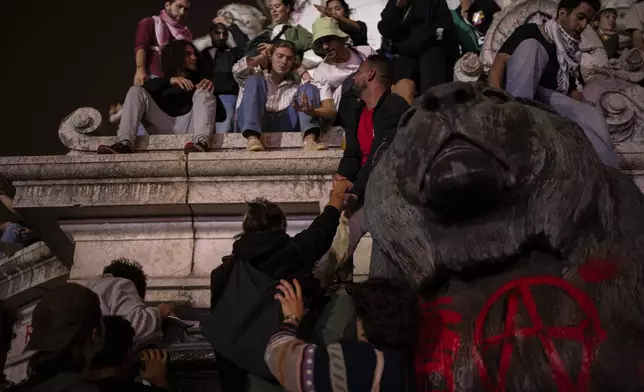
241 71
291 360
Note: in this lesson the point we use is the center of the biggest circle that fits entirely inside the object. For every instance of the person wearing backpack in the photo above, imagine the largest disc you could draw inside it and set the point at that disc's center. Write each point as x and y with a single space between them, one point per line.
244 312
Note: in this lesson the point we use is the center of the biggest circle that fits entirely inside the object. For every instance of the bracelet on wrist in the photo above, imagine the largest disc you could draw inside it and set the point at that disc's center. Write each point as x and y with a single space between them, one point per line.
292 319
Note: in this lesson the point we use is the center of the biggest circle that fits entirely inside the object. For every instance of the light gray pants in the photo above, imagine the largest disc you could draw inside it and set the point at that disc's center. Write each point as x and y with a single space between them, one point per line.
140 108
523 74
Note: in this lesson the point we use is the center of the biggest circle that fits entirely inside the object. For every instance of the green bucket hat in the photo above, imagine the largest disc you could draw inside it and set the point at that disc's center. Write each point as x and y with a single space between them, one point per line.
325 27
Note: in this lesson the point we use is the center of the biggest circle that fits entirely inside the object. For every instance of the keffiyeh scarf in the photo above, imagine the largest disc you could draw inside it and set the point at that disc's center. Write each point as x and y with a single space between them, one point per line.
568 55
164 24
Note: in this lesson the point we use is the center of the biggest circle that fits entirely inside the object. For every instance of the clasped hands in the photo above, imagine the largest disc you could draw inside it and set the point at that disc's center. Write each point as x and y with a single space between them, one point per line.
187 84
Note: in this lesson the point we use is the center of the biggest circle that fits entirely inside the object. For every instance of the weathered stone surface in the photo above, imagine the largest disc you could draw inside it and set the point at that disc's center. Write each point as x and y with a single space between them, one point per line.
163 247
28 272
75 133
501 212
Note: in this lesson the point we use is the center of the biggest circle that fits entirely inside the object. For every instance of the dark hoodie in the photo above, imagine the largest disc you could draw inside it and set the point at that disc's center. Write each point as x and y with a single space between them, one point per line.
413 28
281 256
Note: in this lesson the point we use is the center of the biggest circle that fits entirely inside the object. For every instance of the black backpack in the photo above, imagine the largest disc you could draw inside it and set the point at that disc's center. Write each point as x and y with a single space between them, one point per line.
244 316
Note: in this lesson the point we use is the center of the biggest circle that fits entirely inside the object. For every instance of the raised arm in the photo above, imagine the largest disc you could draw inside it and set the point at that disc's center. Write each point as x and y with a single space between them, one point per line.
247 66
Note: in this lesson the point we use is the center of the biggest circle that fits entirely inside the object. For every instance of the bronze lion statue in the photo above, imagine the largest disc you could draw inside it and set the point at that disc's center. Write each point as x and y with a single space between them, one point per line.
527 250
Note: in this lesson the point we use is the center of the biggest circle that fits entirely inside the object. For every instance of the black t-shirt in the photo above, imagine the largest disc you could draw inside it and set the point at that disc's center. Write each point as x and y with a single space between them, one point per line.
532 31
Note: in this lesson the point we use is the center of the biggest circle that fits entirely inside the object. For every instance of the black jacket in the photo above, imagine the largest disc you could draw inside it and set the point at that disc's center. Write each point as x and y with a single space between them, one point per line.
281 256
174 100
413 28
386 115
220 69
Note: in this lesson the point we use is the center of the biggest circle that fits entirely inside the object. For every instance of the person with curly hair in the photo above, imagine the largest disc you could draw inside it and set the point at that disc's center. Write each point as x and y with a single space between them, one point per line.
121 290
379 360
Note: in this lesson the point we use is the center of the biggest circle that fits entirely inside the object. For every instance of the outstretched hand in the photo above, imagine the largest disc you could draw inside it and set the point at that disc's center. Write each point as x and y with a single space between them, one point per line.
304 105
291 299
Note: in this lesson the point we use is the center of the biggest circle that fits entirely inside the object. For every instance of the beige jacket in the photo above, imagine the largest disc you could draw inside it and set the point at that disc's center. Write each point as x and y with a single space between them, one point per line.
119 297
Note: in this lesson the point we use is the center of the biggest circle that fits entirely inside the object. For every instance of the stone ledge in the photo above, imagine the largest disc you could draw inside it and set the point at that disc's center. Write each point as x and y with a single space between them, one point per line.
75 133
25 275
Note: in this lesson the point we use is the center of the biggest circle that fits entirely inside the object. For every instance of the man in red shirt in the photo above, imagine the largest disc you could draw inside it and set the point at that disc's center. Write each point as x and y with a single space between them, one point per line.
369 114
155 32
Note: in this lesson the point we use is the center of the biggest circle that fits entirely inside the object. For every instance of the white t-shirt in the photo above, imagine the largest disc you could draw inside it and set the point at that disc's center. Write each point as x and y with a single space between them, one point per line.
328 76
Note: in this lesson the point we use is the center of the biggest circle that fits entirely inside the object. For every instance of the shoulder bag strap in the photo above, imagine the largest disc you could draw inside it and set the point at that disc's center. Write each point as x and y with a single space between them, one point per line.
377 374
337 368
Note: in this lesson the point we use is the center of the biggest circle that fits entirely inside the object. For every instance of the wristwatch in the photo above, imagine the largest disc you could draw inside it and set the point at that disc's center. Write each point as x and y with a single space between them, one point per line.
292 319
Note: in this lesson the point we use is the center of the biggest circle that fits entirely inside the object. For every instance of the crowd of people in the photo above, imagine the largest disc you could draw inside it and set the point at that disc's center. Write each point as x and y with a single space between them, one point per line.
351 336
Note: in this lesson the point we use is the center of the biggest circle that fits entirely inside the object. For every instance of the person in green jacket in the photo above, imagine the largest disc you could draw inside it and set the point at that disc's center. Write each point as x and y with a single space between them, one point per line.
281 28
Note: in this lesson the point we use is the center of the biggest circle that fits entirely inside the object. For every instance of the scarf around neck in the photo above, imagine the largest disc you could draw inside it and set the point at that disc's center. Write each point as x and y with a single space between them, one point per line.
568 55
167 29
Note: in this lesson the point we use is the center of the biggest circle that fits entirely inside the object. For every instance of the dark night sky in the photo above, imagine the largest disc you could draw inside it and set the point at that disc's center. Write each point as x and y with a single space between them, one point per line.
64 54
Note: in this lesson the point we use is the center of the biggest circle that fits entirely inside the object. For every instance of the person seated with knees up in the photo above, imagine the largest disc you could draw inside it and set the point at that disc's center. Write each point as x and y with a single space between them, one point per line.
269 95
542 62
122 289
420 35
67 333
115 367
341 60
380 359
180 102
340 11
216 63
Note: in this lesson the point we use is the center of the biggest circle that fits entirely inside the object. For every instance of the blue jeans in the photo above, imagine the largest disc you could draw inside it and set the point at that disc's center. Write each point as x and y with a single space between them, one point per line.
229 101
13 234
523 74
252 115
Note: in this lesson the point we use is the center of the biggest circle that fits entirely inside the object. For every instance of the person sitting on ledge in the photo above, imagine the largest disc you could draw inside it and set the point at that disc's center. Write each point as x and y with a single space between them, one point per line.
271 97
340 11
605 24
121 290
179 102
216 62
543 62
341 60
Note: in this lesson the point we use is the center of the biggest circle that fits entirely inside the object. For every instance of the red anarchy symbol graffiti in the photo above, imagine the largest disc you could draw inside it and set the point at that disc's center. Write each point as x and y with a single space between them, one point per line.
589 333
439 343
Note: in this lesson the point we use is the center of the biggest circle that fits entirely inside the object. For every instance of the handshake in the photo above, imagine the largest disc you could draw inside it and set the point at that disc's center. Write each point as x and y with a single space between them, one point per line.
339 197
